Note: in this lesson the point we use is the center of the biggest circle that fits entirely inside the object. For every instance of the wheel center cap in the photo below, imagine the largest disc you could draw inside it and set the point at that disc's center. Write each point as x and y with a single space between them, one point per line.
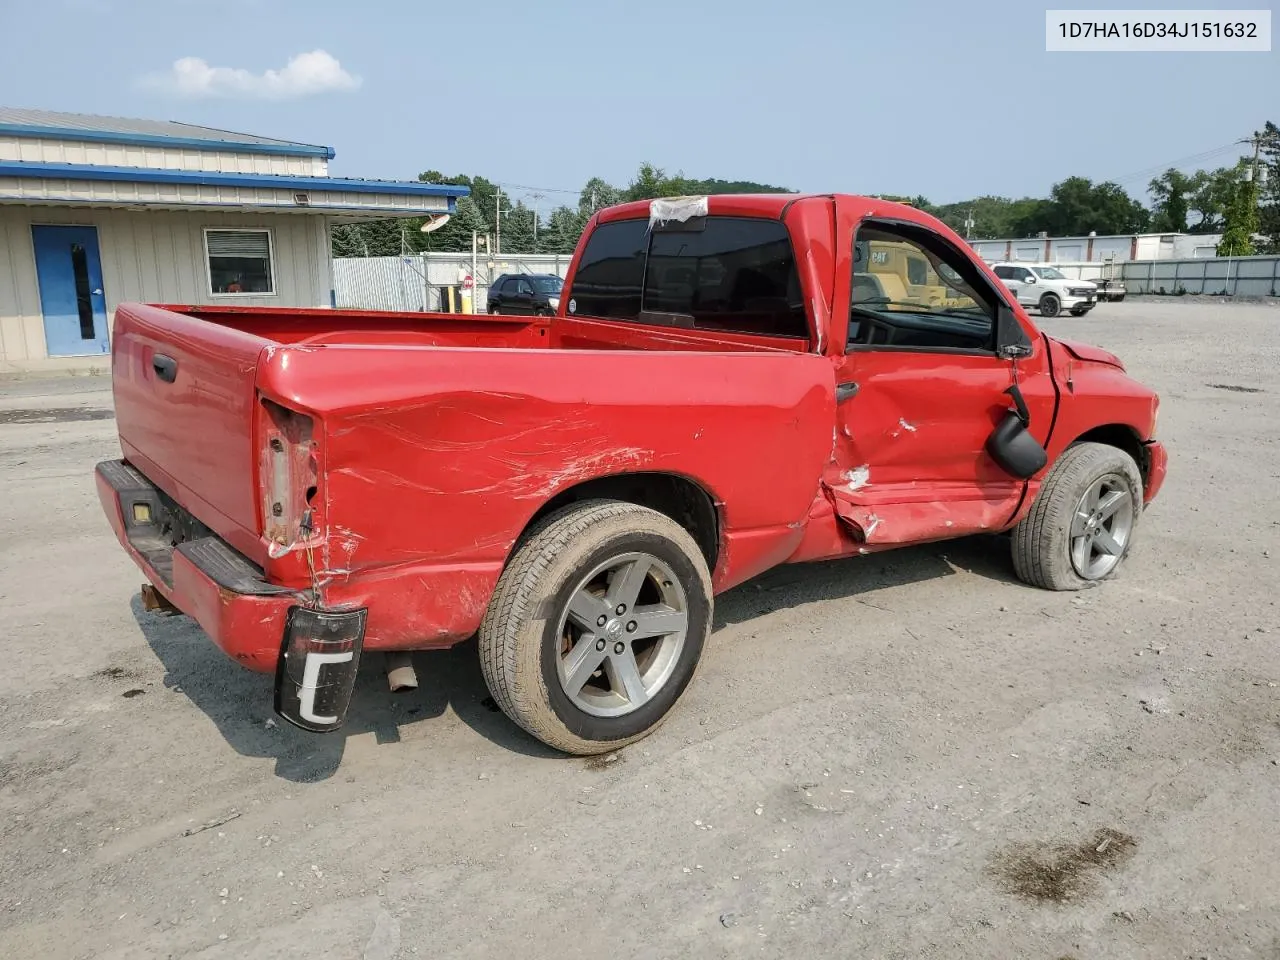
613 629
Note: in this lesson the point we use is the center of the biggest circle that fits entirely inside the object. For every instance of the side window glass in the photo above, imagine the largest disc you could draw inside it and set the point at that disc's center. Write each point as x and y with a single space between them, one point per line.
611 271
914 291
526 288
1004 273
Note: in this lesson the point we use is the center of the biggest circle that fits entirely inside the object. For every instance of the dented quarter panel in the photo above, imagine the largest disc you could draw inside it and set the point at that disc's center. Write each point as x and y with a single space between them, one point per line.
436 459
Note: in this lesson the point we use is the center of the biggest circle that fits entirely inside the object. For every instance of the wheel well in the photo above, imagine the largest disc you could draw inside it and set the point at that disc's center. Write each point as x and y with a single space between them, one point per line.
678 497
1123 437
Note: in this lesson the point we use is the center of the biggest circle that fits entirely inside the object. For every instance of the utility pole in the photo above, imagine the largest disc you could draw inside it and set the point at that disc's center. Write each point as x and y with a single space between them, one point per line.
497 221
536 198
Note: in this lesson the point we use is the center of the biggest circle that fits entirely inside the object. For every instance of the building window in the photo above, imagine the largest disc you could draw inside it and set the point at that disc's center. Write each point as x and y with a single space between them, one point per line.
240 263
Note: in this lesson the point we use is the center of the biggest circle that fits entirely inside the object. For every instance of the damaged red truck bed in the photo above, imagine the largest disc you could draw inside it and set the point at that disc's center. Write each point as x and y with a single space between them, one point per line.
731 383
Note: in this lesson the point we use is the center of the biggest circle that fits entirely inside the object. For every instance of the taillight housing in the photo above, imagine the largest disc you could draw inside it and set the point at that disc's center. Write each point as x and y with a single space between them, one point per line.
317 668
288 473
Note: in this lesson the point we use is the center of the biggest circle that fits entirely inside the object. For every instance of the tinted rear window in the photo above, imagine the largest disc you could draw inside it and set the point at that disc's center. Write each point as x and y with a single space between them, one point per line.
611 271
734 274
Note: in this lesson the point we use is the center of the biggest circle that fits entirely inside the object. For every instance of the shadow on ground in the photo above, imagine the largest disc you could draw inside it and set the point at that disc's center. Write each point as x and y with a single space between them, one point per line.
239 701
789 586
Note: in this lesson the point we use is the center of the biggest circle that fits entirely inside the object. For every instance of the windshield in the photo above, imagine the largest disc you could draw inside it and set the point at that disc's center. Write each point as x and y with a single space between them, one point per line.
548 284
1049 273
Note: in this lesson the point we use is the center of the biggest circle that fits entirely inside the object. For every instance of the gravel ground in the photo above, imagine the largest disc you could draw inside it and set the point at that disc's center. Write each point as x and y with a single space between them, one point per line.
908 755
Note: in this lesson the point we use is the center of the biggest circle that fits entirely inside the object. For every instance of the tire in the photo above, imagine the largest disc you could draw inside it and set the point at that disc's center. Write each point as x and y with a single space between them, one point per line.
1047 549
1118 299
533 650
493 310
1050 305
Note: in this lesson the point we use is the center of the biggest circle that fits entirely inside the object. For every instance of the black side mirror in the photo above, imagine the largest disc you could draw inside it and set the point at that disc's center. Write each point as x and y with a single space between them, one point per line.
1011 339
1011 444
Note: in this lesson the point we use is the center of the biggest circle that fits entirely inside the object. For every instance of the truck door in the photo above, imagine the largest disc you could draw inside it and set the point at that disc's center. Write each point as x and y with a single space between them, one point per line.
921 388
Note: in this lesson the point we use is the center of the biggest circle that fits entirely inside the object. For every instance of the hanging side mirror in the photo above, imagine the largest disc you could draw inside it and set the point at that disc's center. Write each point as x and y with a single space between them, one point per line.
1011 444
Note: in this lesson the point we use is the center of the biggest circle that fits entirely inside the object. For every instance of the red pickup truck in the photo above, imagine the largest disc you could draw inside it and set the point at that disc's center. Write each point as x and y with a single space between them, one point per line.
730 383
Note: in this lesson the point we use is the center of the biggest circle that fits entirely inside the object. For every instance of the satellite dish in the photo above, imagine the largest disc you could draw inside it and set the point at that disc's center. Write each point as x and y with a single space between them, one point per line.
434 223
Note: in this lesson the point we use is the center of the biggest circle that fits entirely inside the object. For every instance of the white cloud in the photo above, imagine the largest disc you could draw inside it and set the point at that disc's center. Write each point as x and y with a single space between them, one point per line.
304 75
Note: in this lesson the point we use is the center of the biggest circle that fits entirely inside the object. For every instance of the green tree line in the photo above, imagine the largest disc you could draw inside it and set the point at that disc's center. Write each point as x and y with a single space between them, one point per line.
1225 200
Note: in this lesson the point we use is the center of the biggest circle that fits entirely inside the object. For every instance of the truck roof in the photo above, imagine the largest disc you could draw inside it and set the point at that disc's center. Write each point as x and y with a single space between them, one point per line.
753 205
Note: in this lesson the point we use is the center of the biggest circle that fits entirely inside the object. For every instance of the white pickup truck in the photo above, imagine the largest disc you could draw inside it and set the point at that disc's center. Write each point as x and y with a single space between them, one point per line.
1047 288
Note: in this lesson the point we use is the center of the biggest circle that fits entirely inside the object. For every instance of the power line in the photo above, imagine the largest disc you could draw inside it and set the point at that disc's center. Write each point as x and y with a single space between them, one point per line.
1162 167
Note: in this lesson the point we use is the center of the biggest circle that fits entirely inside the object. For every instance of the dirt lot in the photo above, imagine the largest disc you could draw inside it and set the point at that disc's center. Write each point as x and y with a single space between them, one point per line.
908 755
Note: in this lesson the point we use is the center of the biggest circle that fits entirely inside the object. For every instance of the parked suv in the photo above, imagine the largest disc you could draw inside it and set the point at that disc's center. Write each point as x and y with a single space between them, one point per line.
1047 288
537 294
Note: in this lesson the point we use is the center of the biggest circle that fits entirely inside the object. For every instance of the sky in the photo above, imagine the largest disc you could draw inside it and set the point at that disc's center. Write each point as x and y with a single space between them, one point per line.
943 98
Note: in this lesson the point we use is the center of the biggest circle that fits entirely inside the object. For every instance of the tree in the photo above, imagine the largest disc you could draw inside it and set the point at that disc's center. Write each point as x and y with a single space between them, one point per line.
375 238
455 236
1211 194
1241 221
518 230
564 227
1170 192
597 194
1269 190
1077 206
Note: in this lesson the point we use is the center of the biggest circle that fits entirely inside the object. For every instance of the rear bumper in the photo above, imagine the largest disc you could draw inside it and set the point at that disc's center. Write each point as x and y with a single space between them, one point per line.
203 577
1157 467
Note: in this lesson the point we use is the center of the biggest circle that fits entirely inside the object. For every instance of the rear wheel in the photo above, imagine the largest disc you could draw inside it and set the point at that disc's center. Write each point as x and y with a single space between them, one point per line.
493 309
1082 523
596 626
1050 305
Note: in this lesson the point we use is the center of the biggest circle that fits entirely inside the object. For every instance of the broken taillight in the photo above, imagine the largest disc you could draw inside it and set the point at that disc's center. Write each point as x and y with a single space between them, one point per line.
288 475
317 667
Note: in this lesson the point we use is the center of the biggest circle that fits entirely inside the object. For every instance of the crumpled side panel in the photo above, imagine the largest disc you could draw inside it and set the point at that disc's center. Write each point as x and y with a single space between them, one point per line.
901 523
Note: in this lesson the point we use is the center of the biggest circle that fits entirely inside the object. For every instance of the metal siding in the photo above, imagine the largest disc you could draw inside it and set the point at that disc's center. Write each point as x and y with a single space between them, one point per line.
116 192
85 127
157 188
43 150
18 296
153 257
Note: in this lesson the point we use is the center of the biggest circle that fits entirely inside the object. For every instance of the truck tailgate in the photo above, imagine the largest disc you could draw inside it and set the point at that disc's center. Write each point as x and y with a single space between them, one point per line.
184 397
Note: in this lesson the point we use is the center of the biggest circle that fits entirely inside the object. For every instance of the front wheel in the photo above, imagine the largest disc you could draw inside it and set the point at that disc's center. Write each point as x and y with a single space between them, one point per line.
596 626
1050 305
1082 522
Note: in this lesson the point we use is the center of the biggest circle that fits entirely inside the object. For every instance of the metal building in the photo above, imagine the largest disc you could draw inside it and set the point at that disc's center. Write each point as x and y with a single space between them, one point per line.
1093 248
95 211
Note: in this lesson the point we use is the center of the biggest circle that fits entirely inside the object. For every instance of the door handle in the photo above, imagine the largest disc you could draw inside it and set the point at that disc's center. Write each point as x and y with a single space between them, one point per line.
166 368
844 391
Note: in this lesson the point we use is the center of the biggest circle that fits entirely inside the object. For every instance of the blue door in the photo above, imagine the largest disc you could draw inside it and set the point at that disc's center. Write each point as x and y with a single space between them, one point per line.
69 272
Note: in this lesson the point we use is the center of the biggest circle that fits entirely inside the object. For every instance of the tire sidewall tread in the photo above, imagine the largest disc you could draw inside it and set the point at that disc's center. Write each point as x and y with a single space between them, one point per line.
1042 539
549 560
